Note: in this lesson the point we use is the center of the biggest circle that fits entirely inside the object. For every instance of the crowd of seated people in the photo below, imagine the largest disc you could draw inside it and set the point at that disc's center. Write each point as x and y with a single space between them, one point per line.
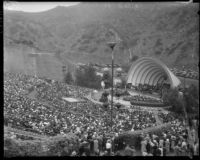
141 98
167 117
148 88
19 84
58 116
89 121
187 73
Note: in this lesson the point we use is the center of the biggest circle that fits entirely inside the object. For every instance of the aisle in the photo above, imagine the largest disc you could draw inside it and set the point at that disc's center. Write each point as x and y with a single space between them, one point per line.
158 120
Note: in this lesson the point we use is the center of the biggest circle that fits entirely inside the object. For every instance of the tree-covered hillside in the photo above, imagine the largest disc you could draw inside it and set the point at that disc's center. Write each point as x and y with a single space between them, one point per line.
79 33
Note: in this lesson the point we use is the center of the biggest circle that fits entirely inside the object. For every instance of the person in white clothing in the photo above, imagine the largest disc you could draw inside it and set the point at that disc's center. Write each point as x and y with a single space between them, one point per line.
143 147
167 144
161 149
108 146
161 143
196 148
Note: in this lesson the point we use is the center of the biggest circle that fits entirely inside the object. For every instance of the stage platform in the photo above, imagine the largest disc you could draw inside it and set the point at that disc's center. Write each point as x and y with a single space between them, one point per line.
97 95
133 93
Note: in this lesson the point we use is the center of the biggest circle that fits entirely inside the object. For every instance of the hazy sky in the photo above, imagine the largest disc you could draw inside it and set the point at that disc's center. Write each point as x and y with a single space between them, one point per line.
40 6
35 6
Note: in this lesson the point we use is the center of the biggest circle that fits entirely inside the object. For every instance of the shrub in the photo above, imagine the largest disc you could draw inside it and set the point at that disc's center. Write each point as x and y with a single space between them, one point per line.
68 78
86 77
55 146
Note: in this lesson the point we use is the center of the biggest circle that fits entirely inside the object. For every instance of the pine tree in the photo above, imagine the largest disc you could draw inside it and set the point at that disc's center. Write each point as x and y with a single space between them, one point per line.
69 78
87 78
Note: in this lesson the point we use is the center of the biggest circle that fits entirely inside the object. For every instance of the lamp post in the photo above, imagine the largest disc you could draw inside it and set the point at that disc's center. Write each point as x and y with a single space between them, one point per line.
112 46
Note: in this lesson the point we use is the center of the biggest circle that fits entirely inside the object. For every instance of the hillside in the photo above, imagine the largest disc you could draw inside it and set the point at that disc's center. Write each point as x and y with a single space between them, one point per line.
79 33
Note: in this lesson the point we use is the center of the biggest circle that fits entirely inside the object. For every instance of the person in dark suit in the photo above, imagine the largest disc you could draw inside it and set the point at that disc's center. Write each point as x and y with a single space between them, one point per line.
158 152
116 142
91 146
104 142
148 147
155 147
164 149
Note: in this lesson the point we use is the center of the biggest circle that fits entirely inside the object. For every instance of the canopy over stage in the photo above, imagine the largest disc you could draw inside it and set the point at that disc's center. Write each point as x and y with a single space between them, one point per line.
151 71
73 100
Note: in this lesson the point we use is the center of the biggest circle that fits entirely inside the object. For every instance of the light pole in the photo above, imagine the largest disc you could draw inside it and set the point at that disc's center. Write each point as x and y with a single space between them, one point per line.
112 46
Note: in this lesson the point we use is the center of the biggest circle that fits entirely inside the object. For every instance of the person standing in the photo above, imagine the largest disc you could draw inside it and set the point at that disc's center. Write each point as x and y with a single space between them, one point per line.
173 143
148 147
112 143
100 142
143 147
104 143
164 149
161 151
167 145
184 148
154 148
96 147
177 150
81 149
196 148
120 143
161 141
158 152
108 146
91 146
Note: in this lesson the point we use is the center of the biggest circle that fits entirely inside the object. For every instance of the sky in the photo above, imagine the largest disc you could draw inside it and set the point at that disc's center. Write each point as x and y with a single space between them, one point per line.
35 6
39 6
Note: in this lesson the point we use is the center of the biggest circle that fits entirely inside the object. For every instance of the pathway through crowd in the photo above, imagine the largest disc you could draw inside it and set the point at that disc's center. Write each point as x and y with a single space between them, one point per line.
158 120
